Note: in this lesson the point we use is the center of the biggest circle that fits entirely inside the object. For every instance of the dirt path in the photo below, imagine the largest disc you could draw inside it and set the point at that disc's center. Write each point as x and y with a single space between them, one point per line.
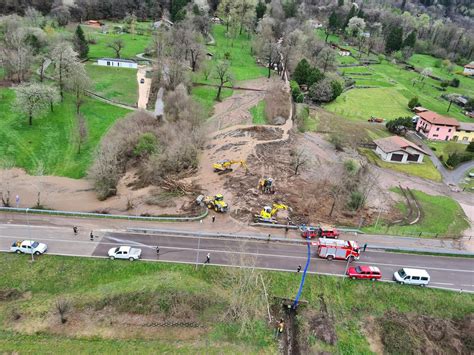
143 88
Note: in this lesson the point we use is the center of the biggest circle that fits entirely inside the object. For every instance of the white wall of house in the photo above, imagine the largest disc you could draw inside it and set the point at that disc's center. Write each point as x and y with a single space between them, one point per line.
381 153
469 71
117 63
388 156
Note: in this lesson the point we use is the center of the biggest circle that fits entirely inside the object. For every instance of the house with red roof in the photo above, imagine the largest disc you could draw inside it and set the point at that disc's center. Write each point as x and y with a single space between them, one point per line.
397 149
435 126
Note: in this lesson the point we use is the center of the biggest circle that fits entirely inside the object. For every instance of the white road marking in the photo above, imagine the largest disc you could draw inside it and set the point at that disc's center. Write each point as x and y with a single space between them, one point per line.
442 283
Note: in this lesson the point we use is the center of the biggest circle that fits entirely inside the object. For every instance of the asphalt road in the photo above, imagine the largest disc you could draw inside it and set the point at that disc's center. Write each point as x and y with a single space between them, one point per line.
446 272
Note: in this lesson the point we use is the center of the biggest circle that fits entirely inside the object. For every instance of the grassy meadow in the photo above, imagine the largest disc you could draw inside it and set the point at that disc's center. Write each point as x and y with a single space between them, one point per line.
258 113
50 143
441 215
118 84
99 289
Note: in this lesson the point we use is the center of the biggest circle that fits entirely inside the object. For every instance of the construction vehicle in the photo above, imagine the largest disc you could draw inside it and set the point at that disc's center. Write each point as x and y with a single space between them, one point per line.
225 166
322 230
268 212
337 249
266 185
216 202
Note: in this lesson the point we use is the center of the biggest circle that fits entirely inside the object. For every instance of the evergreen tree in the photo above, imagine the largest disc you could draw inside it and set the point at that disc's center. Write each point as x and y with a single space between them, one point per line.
80 43
314 76
302 71
394 39
402 8
350 15
260 9
340 3
410 40
333 23
361 13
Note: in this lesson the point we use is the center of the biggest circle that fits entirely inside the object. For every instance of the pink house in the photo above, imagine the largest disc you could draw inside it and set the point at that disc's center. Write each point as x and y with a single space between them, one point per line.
437 127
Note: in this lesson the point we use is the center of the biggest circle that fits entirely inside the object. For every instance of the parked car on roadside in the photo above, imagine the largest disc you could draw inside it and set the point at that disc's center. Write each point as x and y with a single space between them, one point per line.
125 253
364 272
28 247
412 277
142 81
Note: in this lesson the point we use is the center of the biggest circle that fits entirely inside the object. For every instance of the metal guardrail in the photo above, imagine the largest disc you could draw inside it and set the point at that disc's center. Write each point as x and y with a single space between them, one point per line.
272 225
101 215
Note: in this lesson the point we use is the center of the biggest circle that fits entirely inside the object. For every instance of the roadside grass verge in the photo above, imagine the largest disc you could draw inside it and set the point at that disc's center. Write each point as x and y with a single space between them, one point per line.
258 113
448 255
441 216
91 282
118 84
50 143
425 170
443 149
467 184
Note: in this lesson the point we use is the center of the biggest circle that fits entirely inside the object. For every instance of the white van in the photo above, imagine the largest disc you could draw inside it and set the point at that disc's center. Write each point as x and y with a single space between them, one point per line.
412 277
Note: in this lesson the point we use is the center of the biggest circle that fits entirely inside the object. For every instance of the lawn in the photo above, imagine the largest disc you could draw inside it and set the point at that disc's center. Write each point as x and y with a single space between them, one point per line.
444 149
118 84
134 44
49 143
206 96
258 113
361 104
149 289
425 170
306 120
441 216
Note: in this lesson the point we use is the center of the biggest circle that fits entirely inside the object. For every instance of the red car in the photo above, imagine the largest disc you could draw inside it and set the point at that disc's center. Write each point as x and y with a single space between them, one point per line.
321 231
364 272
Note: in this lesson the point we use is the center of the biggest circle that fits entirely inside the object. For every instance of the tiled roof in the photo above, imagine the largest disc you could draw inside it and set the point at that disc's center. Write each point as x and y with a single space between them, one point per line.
395 143
434 118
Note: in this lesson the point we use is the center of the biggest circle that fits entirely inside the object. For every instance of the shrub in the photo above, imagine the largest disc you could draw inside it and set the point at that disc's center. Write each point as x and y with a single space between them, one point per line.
147 144
470 147
356 200
445 83
336 89
336 140
394 126
456 158
301 72
296 93
414 102
314 76
455 83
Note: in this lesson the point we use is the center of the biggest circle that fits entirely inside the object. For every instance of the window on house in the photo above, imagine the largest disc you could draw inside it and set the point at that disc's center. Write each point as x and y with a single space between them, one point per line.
435 135
449 130
437 129
108 63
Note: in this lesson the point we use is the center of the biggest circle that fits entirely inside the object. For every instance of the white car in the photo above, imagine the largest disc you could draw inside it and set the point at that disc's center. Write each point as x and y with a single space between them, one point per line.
412 277
28 247
125 252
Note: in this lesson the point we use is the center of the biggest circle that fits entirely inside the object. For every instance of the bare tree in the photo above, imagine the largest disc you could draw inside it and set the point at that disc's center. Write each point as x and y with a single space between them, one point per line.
117 45
299 159
326 59
266 44
32 100
196 52
206 70
64 58
78 82
221 73
63 307
82 131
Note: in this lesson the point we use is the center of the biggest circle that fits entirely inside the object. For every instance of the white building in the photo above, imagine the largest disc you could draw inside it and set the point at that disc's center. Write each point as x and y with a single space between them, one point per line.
469 69
116 62
396 149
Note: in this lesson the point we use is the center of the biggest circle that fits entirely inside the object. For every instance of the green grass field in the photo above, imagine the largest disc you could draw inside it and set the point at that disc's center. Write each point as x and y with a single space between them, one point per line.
50 142
424 170
148 289
206 96
443 149
395 90
119 84
134 44
441 215
258 113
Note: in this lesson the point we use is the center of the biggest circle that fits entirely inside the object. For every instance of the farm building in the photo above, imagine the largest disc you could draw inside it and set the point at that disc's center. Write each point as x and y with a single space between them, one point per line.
116 62
469 69
93 23
397 149
437 127
464 133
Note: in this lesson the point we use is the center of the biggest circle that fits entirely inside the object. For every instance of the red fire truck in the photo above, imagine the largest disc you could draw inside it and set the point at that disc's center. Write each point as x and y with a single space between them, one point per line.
337 249
324 231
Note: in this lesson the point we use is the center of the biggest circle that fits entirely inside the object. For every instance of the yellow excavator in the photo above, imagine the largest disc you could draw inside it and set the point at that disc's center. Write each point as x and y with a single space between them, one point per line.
268 212
266 185
225 166
216 202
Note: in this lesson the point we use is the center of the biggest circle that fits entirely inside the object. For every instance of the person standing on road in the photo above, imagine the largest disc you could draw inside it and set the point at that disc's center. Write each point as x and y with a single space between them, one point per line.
364 247
92 236
157 250
298 269
208 258
213 218
74 229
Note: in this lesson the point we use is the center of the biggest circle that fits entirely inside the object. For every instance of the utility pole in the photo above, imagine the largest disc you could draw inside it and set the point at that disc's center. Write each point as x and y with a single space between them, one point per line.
450 103
29 235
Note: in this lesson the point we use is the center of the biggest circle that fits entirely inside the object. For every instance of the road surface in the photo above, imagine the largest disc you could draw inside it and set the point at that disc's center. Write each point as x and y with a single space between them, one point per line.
446 272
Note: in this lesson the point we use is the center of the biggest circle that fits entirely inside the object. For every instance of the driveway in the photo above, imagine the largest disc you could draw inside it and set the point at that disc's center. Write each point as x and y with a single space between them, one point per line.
143 88
449 176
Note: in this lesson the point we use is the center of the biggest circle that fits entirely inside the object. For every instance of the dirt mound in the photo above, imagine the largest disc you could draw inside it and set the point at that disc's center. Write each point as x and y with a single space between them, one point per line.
10 294
263 133
420 334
